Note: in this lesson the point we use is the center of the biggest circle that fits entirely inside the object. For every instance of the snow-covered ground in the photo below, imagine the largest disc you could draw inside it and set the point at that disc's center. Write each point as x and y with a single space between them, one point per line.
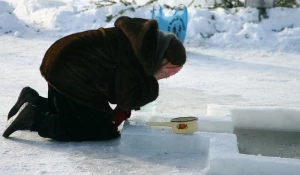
233 60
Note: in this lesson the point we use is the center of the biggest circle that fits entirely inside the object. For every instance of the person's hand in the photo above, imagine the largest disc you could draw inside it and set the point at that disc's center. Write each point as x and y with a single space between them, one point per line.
166 70
120 115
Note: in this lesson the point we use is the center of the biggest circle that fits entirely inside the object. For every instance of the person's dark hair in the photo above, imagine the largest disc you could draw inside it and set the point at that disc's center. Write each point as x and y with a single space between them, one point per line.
175 52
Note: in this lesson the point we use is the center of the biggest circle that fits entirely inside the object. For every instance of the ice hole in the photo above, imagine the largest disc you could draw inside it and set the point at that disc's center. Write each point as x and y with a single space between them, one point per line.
271 132
269 143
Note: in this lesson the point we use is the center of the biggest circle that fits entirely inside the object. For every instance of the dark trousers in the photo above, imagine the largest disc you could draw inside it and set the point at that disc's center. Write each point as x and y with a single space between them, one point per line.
63 119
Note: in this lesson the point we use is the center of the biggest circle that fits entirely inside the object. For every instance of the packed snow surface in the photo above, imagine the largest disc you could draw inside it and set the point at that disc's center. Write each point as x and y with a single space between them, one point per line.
233 59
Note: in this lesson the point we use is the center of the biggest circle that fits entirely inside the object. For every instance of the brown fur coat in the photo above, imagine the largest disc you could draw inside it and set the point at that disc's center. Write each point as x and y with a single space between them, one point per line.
114 65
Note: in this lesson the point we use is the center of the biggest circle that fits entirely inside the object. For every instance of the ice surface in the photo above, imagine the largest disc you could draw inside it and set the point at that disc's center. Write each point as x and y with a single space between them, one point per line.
220 149
234 60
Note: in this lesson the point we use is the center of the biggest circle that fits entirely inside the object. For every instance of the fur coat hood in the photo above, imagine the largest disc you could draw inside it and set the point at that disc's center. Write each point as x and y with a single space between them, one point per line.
148 43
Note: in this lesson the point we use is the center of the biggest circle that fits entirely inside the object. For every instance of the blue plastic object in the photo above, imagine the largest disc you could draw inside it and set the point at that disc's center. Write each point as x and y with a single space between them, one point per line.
177 23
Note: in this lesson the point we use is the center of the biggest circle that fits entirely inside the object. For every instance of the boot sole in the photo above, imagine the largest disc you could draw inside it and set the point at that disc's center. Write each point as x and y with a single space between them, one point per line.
13 122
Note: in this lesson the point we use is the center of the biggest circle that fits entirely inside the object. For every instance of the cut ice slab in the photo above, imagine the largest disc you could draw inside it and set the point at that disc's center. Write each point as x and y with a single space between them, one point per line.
188 152
143 138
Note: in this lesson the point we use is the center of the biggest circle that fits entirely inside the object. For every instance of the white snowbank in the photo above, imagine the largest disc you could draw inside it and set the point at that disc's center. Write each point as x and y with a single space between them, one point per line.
9 22
233 28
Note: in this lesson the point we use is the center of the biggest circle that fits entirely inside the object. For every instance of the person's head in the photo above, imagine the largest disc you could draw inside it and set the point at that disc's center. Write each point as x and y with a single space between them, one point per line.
175 53
173 60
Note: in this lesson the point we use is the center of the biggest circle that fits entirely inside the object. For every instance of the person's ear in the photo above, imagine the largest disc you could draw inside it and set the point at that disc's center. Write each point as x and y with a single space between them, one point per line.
165 61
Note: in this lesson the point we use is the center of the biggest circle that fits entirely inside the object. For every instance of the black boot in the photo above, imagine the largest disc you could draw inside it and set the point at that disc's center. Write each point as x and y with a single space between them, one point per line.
23 120
27 95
